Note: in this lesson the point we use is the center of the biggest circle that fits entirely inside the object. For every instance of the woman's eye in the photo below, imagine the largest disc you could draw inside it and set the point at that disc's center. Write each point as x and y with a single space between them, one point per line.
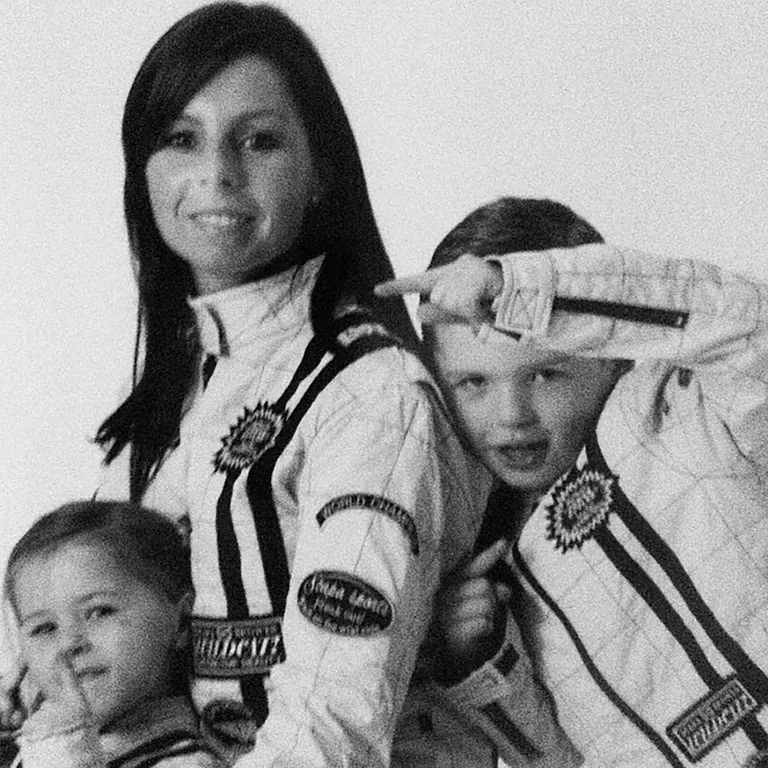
41 630
261 141
471 384
101 611
550 374
179 139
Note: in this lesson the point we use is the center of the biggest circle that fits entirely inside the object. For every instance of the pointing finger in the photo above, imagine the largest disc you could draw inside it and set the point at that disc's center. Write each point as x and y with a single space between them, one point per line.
70 690
422 283
483 563
430 314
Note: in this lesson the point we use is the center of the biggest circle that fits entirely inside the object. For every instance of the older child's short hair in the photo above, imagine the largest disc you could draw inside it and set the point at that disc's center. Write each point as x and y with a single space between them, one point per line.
149 545
512 224
509 225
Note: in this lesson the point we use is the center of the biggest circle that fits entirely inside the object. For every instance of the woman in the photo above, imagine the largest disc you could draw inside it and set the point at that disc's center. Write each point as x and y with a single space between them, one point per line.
276 409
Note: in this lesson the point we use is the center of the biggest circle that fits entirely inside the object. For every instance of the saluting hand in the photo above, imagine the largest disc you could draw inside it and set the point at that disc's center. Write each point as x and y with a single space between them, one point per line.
463 290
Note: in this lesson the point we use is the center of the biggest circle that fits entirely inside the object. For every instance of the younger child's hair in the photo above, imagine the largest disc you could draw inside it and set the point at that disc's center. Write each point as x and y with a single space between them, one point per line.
145 542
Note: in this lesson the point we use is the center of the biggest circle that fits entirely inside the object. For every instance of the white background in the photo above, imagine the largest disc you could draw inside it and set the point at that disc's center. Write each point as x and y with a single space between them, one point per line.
649 117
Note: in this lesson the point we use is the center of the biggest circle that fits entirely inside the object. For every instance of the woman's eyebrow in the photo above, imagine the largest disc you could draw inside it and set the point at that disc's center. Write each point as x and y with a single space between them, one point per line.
33 616
250 114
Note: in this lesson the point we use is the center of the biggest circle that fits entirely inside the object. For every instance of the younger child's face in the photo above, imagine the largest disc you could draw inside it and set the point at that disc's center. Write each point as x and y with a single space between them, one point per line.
118 633
526 413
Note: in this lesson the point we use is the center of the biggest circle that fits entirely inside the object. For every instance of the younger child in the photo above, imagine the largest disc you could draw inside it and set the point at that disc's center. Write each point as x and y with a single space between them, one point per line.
101 592
638 526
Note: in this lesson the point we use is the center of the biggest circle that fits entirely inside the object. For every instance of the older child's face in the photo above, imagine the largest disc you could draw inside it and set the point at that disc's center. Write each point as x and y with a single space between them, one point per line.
117 633
231 182
526 413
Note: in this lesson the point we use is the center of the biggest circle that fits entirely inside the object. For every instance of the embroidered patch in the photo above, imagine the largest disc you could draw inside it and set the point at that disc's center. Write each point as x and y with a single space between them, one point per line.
254 433
581 502
376 504
344 604
234 648
704 725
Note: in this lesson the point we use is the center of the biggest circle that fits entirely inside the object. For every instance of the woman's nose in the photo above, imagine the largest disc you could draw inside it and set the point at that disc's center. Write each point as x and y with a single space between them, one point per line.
221 166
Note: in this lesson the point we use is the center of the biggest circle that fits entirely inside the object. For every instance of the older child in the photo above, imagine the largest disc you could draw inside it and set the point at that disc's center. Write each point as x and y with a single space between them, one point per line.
637 525
277 409
101 592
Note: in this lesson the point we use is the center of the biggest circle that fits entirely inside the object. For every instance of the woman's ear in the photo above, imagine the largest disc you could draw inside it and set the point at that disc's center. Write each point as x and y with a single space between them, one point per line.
183 615
316 192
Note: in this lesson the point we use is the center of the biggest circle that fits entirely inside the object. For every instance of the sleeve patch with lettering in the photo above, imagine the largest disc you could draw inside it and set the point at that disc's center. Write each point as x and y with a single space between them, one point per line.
344 604
712 718
375 504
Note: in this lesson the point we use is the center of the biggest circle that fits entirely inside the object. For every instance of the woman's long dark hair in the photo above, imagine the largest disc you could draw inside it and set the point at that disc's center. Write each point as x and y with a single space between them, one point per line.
342 226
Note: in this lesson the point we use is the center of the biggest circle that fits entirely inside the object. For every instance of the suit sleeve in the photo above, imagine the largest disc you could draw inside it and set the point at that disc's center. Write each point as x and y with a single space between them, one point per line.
78 747
603 301
373 493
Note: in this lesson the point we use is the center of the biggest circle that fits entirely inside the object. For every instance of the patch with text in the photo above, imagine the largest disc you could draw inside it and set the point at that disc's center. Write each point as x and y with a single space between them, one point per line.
375 504
581 502
236 647
704 725
254 433
344 604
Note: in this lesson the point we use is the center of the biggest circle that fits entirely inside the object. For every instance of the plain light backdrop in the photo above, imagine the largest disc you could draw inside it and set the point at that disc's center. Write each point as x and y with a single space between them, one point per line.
648 117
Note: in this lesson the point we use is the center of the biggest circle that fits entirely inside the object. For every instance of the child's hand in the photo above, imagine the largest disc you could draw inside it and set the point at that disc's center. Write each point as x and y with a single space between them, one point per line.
60 729
66 710
471 613
463 290
11 706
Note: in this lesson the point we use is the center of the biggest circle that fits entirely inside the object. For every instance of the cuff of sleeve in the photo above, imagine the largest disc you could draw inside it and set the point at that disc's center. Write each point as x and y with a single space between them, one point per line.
493 679
73 748
505 700
524 306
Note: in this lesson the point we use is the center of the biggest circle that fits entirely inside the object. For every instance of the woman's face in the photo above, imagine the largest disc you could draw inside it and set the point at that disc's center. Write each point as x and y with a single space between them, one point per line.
234 174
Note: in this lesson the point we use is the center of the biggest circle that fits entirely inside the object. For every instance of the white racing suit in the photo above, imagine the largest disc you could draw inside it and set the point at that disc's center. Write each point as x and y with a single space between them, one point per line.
648 562
162 733
323 512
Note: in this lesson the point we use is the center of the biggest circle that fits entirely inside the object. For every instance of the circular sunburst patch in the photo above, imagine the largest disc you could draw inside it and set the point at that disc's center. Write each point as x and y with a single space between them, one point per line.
254 433
581 502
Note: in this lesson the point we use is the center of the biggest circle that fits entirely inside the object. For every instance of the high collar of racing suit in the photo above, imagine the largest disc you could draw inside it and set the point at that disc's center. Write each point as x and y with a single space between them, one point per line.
229 321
